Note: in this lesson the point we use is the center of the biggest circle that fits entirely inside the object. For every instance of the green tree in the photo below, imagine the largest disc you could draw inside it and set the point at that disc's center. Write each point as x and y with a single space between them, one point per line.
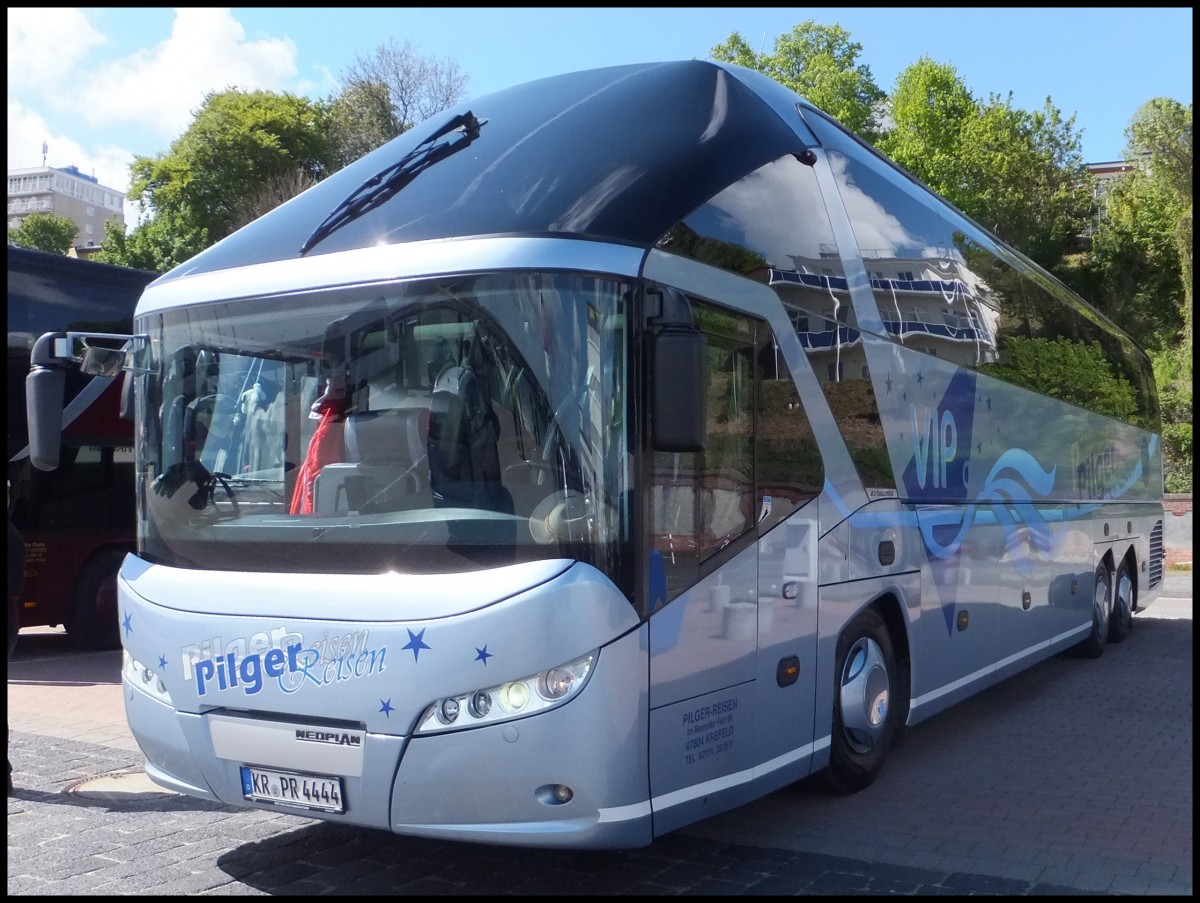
44 232
928 107
157 244
1173 373
1160 133
246 152
417 86
361 118
1137 262
820 63
238 141
1018 173
1142 253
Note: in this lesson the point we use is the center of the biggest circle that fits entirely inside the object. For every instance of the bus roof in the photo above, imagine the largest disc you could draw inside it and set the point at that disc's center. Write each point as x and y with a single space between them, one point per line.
621 153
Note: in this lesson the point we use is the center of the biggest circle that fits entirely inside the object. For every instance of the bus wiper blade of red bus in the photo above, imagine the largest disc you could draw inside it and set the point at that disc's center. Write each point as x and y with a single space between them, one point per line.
390 181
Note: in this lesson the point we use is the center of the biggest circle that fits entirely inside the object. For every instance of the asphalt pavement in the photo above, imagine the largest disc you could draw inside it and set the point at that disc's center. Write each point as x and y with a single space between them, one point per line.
1074 777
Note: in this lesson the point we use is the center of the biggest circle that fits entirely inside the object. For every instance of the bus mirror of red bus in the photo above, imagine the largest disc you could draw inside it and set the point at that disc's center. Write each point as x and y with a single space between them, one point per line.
102 361
44 389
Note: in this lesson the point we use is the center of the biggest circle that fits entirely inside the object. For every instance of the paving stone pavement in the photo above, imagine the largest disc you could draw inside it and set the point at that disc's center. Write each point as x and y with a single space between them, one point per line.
152 843
1072 778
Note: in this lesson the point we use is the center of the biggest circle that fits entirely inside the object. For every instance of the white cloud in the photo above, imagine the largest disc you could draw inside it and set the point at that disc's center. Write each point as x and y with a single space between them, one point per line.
45 45
27 129
160 88
60 93
156 89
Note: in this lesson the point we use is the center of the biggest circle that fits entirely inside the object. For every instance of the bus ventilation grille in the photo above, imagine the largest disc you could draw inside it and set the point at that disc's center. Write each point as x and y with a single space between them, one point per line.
1156 554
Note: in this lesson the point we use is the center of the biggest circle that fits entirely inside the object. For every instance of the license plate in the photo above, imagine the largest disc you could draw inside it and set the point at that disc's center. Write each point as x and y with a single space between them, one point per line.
290 788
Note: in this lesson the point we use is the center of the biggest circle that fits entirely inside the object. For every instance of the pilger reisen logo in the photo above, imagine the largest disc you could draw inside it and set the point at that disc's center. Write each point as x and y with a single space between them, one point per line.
289 662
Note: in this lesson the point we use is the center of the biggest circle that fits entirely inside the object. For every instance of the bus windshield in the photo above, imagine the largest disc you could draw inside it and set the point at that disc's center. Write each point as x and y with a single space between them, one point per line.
443 425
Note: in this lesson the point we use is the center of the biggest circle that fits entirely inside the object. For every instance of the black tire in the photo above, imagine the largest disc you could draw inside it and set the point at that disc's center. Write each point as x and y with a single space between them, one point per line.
864 719
1093 646
1121 621
94 622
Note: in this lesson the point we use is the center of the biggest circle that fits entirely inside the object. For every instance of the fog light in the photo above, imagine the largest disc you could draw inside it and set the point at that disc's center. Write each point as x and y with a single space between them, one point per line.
554 794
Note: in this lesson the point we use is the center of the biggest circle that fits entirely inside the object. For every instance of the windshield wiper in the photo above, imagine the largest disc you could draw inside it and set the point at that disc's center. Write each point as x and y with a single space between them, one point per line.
388 182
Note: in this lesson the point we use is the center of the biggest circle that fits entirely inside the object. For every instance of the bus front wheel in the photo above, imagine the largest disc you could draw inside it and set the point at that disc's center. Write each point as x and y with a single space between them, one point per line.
864 719
94 621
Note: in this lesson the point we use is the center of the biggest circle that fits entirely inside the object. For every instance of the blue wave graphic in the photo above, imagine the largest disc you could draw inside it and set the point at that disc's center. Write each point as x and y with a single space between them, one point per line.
1009 491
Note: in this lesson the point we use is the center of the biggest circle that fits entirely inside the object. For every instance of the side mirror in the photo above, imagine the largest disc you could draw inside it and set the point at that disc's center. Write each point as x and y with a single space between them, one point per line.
679 390
44 388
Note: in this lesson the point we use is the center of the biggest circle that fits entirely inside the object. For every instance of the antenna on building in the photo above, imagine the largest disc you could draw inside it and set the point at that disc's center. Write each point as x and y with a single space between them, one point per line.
45 150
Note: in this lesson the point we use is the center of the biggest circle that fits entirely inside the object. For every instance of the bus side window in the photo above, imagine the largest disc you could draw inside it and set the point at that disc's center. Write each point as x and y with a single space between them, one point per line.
788 465
701 502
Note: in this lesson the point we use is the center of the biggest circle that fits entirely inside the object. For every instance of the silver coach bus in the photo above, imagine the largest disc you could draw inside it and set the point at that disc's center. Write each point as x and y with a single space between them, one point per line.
602 455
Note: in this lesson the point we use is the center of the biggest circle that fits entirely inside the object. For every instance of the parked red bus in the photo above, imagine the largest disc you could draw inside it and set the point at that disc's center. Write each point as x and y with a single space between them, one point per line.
77 521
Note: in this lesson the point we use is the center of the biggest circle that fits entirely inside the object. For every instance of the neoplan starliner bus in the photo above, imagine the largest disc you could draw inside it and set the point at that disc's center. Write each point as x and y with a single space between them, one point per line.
77 520
602 455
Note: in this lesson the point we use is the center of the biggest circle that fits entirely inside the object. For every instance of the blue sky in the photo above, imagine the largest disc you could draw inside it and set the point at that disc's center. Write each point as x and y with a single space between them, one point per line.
100 85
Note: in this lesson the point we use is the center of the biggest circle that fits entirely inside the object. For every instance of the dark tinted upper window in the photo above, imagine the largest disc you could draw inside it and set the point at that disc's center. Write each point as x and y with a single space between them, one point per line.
945 286
772 226
620 153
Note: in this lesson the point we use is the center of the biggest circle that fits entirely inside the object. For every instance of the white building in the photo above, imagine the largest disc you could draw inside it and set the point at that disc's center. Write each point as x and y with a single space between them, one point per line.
67 192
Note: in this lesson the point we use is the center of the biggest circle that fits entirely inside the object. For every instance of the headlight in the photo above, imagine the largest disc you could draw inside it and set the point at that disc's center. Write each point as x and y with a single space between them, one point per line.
144 678
512 699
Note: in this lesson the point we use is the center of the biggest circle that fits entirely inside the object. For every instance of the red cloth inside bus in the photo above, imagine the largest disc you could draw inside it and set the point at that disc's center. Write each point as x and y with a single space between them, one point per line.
325 447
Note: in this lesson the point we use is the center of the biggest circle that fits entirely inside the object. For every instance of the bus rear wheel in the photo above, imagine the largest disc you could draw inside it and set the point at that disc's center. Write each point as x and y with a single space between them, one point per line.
94 620
1102 606
1121 620
864 719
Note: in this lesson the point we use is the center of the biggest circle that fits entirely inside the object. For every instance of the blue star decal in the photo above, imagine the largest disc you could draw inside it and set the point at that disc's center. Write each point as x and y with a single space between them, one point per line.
128 623
162 662
416 643
482 655
385 706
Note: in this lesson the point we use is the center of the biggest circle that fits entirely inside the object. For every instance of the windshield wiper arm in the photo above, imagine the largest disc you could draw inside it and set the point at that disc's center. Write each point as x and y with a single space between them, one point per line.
388 182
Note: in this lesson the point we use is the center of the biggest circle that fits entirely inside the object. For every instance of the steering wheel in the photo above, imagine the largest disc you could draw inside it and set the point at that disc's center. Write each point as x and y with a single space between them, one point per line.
563 516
